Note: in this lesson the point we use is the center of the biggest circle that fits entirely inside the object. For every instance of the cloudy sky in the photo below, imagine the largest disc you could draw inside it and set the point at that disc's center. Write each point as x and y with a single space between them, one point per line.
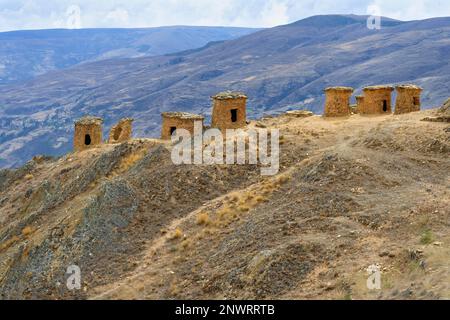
43 14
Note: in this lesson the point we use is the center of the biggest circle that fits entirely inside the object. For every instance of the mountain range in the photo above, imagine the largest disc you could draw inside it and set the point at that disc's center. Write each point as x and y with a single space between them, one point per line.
27 54
281 68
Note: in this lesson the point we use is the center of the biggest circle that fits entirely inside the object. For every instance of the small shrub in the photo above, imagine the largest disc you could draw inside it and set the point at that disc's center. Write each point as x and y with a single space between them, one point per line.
283 179
426 237
177 234
242 202
203 218
185 244
260 199
27 231
224 212
244 208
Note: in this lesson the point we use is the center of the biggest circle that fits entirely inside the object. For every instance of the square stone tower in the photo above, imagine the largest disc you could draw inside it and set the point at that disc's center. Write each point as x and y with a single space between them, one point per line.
171 121
377 100
408 98
229 110
337 101
121 131
88 133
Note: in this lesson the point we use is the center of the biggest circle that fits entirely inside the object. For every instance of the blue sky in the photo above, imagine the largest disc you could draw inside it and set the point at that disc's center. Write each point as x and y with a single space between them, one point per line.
43 14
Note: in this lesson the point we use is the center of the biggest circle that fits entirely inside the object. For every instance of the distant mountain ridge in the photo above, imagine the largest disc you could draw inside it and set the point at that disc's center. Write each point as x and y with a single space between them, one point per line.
280 69
25 54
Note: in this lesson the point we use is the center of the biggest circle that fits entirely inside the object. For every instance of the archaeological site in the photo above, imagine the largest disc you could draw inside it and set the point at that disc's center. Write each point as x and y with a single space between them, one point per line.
88 133
229 110
171 121
408 98
377 100
337 101
122 131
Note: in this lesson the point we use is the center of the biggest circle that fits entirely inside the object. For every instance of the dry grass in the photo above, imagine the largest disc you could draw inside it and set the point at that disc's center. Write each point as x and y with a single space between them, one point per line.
177 234
203 218
186 244
260 199
129 160
426 237
241 202
173 289
224 212
28 177
244 208
27 231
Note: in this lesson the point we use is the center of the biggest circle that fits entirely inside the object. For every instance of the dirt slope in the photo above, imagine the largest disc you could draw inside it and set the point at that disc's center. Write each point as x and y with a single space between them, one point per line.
350 193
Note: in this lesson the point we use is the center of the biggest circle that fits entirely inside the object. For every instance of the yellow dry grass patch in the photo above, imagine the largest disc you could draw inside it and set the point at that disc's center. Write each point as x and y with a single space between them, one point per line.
129 160
27 231
238 203
203 218
177 234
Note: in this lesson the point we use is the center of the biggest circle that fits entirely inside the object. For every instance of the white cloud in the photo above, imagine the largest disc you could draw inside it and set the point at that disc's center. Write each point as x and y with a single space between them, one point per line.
118 17
37 14
73 17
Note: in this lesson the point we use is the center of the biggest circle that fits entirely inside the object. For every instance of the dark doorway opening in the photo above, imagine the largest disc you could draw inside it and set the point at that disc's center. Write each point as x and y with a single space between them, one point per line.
172 130
385 106
87 140
416 101
234 115
117 133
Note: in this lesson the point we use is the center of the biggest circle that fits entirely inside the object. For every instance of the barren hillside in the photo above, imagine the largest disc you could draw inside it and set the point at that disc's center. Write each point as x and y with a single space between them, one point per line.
351 192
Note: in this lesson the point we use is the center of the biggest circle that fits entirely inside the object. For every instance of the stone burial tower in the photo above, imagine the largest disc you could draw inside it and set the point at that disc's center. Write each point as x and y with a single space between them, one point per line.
88 133
377 100
229 110
171 121
337 101
408 98
121 131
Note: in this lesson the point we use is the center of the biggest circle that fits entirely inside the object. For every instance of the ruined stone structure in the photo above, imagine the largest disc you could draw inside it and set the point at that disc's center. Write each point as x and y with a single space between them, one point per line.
121 131
178 120
408 98
88 133
229 110
377 100
337 101
359 103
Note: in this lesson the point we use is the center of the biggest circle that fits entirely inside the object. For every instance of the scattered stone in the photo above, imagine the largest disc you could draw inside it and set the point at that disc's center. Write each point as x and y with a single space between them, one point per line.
422 264
330 286
28 193
259 124
358 190
415 255
407 293
384 253
299 113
